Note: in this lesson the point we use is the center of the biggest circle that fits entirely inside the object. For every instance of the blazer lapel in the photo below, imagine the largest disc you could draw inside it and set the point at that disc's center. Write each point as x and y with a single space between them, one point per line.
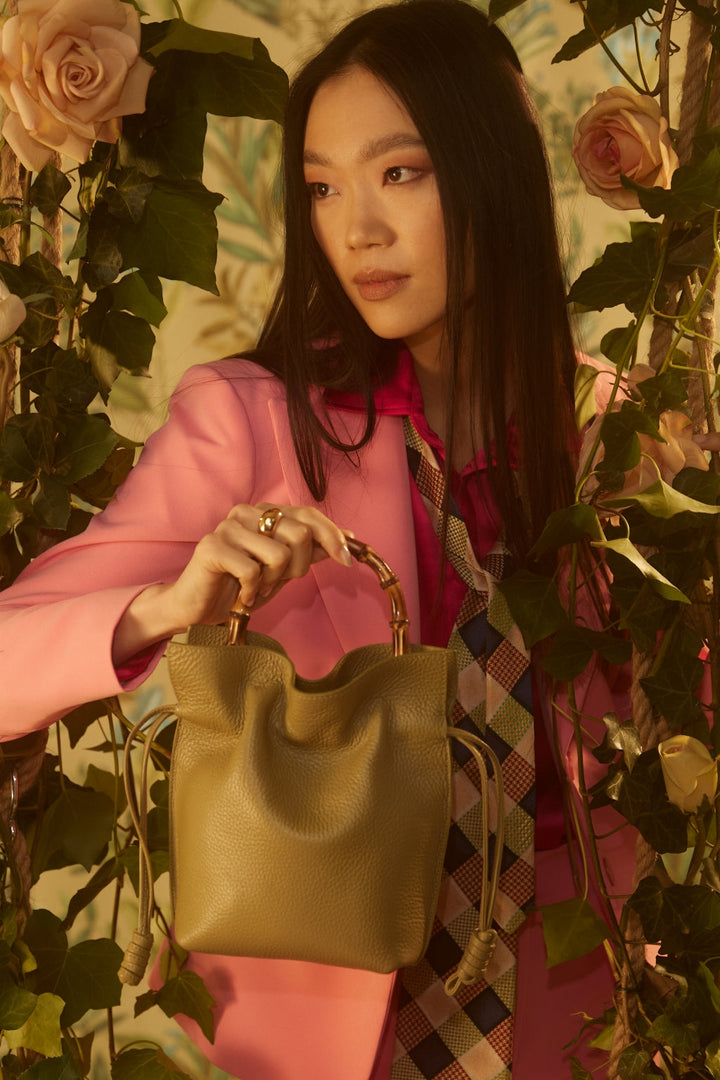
371 496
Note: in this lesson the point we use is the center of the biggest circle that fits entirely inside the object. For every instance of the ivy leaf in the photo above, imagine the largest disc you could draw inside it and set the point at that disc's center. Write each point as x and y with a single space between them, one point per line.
627 550
694 188
186 994
606 17
52 502
228 75
128 198
585 403
666 391
663 501
690 250
41 1031
177 238
99 487
619 435
104 781
75 829
616 342
49 189
53 1069
151 1064
48 278
634 1064
179 34
11 512
116 341
682 1038
671 690
159 864
26 445
578 1071
698 484
103 876
85 447
84 976
623 275
568 526
574 646
66 383
168 139
623 737
535 605
132 293
16 1004
103 260
640 798
571 928
89 978
79 720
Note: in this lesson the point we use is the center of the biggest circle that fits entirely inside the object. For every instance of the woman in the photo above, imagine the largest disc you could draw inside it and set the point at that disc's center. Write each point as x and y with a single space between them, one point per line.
420 319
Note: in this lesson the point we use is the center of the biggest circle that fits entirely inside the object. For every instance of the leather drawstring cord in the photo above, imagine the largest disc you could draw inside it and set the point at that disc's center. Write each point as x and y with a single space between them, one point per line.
137 953
481 946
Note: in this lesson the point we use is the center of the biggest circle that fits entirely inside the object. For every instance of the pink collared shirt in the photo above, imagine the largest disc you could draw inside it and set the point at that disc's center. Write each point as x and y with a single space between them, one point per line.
402 396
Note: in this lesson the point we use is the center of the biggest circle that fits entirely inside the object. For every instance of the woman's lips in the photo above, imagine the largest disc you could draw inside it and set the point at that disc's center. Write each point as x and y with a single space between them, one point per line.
378 284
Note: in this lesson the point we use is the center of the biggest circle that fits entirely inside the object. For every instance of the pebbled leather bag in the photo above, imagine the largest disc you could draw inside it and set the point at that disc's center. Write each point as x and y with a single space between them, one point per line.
309 818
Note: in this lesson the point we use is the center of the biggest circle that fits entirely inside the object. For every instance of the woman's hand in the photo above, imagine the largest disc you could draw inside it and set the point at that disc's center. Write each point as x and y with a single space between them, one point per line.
235 556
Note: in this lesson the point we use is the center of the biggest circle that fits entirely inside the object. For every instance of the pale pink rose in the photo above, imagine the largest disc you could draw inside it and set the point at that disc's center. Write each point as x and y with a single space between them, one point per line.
689 771
12 312
668 458
69 69
623 132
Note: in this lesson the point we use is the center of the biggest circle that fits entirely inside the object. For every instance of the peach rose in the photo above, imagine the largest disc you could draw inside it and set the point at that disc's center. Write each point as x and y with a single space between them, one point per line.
623 132
689 771
669 457
69 69
12 312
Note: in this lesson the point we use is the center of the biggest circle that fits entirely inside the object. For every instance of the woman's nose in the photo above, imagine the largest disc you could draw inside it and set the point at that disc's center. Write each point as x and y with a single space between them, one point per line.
367 224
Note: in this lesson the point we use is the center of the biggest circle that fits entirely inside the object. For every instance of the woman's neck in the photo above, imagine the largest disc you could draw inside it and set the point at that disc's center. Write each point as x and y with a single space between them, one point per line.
433 378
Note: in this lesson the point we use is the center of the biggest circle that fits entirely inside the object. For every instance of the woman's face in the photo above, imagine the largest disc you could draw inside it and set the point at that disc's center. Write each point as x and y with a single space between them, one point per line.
376 210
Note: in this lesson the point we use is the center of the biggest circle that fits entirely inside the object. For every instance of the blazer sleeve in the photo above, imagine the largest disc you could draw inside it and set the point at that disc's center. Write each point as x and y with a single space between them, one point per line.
58 619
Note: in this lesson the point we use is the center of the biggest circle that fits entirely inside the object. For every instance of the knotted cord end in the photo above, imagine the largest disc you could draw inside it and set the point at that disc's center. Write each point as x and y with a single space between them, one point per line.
135 960
474 961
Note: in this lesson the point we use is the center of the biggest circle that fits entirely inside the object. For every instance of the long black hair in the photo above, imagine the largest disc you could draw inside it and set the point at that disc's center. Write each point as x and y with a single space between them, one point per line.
461 83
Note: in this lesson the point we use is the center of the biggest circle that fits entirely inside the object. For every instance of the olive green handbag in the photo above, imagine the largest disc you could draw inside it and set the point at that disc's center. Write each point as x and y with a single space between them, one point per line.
308 818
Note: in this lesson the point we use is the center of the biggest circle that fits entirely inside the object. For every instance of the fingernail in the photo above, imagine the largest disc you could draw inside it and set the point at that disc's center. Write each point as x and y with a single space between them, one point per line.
345 555
266 591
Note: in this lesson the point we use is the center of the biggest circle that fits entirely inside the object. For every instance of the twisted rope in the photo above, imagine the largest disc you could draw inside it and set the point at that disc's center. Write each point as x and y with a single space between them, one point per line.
20 767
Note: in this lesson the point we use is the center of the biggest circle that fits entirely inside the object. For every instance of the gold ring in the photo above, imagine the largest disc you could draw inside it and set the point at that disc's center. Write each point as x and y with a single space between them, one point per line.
269 520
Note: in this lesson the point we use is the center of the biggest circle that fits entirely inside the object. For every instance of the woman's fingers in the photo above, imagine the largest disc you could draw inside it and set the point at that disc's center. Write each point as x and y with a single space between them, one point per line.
262 561
235 559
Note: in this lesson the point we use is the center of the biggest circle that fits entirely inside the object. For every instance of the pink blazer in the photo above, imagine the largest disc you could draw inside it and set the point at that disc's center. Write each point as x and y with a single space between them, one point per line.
228 441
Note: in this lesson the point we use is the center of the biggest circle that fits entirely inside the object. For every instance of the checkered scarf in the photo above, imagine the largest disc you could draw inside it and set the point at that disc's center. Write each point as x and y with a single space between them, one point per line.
470 1036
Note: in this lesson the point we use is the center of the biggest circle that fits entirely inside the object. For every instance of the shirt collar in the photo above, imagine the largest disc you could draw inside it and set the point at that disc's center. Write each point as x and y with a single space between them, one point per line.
401 396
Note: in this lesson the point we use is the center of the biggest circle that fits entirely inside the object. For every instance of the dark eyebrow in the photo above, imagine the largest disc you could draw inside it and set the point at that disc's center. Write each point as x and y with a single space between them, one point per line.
373 149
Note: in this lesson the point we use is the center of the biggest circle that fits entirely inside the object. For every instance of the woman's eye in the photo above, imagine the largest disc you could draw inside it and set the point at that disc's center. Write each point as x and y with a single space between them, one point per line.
320 191
400 174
